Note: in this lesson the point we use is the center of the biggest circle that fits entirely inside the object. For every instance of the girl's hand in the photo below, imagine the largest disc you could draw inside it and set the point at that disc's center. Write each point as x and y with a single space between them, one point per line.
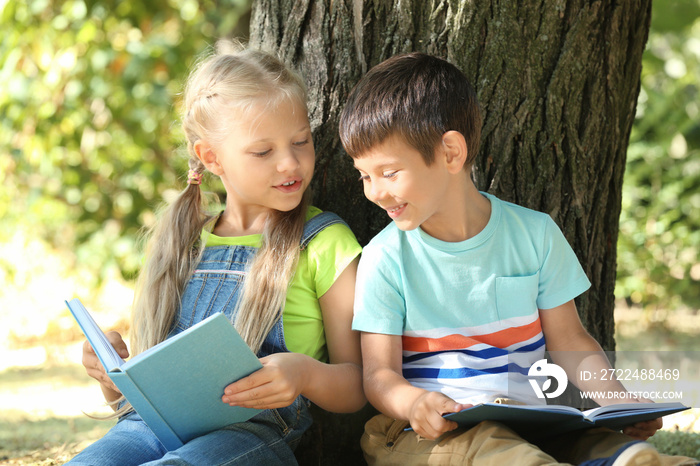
94 367
426 414
281 380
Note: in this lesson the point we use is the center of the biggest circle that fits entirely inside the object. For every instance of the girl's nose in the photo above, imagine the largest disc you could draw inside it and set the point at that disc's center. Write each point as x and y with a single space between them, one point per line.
288 162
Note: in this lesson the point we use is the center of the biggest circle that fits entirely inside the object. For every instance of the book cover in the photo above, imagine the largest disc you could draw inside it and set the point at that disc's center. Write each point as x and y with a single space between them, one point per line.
176 386
544 419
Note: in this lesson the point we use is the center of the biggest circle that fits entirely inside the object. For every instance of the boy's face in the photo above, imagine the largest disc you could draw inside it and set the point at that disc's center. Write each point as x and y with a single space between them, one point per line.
396 178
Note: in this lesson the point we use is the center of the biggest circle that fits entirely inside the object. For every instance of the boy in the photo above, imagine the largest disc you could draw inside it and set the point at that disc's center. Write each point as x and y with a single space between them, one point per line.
457 284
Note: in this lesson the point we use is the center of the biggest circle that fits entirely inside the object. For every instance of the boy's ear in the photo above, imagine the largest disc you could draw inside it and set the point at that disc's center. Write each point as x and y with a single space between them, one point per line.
208 157
455 150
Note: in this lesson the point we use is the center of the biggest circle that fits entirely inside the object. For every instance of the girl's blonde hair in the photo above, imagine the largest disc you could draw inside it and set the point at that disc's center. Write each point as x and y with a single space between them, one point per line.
232 78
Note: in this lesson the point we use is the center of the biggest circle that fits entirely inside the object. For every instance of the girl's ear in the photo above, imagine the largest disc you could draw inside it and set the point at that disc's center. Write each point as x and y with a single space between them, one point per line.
208 157
455 151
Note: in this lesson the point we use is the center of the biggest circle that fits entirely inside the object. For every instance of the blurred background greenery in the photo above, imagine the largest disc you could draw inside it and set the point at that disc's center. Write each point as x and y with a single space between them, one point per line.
89 121
658 266
89 141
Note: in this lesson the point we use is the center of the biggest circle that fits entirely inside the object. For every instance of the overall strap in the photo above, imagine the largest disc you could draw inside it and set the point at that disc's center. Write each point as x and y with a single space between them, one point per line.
317 224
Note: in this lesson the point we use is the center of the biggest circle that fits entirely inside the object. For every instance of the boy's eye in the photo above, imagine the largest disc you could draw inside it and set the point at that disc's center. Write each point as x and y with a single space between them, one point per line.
301 143
390 174
363 177
262 153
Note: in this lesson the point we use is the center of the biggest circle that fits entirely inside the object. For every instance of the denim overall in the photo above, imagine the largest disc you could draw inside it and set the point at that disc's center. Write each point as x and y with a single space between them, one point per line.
268 438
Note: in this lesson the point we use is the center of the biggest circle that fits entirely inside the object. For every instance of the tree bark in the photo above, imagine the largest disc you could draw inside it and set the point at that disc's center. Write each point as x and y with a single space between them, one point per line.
557 81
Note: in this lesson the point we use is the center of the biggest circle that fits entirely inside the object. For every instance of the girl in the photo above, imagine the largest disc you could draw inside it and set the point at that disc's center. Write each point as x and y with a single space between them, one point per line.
245 120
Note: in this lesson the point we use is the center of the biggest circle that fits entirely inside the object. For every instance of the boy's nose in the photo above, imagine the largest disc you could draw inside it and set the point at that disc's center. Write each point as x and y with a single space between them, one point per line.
375 192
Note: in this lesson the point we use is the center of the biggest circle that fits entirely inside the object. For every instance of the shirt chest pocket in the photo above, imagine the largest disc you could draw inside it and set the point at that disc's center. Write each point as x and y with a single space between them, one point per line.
516 296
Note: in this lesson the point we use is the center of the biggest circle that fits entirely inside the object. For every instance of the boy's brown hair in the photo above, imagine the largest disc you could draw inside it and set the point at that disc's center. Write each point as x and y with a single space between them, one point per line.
416 96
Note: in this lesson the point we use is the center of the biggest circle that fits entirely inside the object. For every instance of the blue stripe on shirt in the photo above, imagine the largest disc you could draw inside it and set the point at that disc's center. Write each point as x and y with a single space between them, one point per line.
487 353
461 372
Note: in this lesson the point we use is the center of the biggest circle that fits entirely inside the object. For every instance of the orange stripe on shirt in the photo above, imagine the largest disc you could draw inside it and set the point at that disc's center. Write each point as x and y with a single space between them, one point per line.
501 339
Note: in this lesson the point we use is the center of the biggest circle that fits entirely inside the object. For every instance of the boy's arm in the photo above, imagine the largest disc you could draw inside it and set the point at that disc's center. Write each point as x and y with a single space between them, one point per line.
393 395
575 350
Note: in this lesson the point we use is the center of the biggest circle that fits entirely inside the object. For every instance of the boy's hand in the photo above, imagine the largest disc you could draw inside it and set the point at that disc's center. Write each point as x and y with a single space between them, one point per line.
426 414
643 430
94 367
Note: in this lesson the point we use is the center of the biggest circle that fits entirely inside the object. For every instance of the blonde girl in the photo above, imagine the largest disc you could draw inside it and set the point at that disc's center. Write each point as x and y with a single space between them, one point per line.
282 270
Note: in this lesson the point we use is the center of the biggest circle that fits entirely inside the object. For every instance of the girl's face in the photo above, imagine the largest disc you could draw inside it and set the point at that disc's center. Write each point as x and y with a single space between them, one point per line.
267 160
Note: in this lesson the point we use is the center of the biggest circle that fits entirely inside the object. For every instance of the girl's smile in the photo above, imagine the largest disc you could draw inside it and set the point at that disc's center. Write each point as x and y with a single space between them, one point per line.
290 186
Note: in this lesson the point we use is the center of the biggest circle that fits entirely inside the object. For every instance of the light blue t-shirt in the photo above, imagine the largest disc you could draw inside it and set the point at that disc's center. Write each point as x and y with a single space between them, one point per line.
468 311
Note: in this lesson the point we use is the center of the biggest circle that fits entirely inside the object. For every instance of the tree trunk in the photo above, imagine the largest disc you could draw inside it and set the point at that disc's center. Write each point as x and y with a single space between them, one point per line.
557 81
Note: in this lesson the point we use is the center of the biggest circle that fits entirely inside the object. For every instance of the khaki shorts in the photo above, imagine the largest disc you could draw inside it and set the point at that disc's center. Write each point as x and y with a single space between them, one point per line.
385 442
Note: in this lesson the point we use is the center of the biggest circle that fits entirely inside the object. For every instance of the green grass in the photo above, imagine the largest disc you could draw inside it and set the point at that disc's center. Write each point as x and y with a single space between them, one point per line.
657 336
639 333
18 377
47 441
677 443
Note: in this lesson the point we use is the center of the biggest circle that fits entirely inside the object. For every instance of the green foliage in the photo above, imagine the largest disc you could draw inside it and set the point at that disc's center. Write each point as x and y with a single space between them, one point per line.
88 127
677 443
658 263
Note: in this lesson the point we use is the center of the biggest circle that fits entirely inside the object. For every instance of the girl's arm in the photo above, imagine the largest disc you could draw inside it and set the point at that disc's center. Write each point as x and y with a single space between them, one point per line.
334 387
337 386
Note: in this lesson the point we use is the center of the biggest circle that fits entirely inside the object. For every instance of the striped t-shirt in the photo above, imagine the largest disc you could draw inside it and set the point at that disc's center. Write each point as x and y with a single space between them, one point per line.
468 311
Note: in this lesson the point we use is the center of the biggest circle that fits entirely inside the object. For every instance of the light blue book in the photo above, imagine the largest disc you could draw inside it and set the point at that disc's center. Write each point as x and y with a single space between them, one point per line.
546 420
176 386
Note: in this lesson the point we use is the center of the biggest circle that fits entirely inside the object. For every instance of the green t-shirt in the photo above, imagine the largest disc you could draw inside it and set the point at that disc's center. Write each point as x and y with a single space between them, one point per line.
320 264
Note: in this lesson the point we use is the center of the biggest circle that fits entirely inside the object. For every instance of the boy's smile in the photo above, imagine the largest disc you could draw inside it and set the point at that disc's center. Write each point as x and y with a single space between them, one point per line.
396 178
395 212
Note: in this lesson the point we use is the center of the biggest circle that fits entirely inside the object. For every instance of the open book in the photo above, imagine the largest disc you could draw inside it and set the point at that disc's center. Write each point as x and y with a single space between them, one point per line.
176 386
542 420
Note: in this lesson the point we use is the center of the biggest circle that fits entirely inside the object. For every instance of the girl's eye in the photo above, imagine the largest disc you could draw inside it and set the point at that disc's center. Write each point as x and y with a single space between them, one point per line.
301 143
261 153
363 177
390 174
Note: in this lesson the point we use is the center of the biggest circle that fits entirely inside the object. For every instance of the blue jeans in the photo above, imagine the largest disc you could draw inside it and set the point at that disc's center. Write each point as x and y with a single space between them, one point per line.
267 439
